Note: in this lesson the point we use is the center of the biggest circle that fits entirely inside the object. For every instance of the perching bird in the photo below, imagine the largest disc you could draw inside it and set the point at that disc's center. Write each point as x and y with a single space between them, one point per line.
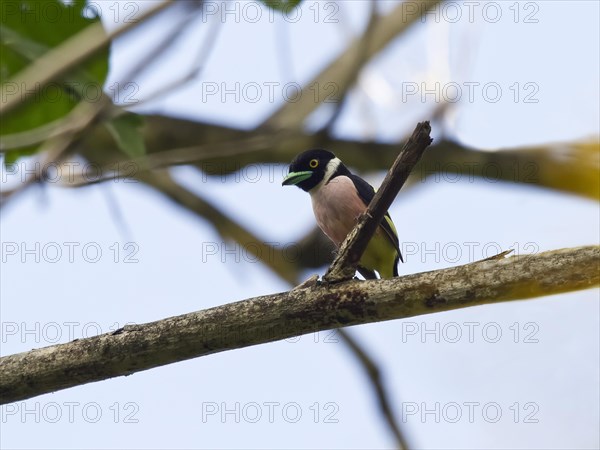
338 198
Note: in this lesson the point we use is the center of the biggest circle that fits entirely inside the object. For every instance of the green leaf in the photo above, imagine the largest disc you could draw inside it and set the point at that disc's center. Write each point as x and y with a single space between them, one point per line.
28 30
12 156
125 129
282 5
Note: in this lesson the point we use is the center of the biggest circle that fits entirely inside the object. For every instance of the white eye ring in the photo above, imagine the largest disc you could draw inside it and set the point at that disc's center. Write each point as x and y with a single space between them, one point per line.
314 163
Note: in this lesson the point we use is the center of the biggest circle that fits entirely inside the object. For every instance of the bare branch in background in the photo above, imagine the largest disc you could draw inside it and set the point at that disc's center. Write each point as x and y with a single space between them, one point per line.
359 65
568 167
375 378
292 115
228 228
197 66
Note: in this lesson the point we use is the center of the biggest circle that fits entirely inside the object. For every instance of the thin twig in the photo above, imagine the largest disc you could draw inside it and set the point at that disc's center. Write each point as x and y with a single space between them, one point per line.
292 115
167 42
362 58
374 374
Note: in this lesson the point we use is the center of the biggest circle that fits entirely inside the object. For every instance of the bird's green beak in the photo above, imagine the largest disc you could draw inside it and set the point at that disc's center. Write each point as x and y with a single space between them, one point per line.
296 177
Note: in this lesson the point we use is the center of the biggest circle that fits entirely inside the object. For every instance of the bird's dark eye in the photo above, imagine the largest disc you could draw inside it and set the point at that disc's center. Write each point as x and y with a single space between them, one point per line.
313 163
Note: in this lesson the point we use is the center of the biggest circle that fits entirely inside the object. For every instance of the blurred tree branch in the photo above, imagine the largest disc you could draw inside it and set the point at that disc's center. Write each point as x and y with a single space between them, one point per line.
375 376
278 316
568 167
228 228
343 70
217 150
72 53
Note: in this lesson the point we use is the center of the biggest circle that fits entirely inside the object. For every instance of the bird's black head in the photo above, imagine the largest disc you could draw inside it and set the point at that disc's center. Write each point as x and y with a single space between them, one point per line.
309 168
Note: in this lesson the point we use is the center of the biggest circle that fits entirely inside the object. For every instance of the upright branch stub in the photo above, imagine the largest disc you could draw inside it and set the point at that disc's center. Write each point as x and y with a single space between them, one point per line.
344 265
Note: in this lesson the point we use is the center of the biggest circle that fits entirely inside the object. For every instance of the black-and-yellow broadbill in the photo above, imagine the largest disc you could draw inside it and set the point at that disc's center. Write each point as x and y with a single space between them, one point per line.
338 198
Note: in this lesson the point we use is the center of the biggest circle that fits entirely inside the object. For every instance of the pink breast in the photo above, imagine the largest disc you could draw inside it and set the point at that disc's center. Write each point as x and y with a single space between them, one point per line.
337 206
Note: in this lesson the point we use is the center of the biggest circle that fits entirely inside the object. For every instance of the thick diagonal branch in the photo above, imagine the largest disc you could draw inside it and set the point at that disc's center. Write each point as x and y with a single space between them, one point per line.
343 266
279 316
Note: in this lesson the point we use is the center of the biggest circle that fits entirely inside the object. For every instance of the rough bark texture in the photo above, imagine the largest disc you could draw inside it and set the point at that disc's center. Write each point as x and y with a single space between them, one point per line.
344 264
279 316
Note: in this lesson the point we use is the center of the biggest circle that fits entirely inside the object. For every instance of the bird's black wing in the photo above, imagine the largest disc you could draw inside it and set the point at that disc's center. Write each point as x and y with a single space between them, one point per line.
366 194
